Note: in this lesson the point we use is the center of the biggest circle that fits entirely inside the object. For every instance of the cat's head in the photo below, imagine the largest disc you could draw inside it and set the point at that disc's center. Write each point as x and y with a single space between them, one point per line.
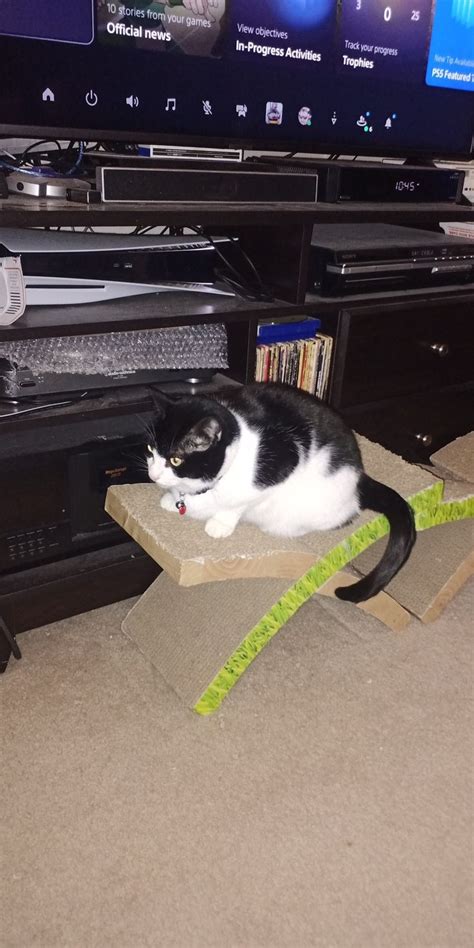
189 438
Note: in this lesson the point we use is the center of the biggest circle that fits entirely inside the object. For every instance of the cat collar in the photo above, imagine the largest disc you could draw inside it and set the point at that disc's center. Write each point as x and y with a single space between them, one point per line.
180 504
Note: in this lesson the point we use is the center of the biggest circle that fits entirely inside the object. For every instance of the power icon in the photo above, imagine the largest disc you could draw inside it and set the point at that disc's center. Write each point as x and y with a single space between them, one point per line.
91 98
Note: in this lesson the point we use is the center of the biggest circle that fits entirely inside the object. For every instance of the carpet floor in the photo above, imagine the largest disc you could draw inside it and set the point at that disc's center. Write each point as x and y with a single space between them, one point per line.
327 803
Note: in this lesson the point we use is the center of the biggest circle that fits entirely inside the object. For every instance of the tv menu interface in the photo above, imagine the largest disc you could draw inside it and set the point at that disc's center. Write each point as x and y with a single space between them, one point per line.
358 74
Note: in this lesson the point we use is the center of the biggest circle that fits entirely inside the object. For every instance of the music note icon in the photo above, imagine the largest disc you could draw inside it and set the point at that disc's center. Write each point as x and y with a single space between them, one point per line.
170 105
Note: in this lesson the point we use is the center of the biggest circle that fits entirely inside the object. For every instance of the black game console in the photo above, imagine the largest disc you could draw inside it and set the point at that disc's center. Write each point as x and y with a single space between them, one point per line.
373 258
117 257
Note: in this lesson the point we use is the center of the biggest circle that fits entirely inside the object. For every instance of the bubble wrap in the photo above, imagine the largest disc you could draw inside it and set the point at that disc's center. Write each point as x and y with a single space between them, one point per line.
182 347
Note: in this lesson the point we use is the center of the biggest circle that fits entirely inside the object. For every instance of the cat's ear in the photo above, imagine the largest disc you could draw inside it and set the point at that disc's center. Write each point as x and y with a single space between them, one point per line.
160 402
201 436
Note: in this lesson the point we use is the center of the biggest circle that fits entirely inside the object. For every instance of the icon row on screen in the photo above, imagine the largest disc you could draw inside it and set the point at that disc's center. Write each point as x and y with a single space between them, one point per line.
274 111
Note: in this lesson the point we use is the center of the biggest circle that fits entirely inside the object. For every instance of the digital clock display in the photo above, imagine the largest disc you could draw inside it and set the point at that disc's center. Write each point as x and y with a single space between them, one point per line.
405 184
397 184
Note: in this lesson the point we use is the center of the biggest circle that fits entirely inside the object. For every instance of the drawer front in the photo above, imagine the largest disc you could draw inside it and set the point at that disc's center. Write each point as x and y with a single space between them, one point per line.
392 352
416 426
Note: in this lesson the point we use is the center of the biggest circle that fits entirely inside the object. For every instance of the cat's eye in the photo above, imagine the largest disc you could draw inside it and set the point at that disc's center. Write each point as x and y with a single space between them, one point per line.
149 449
175 461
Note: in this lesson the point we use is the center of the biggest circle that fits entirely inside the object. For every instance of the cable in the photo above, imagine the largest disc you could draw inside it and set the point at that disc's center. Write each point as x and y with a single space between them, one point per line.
44 141
70 401
46 172
141 231
241 283
235 284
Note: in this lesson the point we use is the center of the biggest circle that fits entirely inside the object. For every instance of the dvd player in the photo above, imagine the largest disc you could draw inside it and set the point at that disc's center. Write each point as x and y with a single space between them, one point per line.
372 258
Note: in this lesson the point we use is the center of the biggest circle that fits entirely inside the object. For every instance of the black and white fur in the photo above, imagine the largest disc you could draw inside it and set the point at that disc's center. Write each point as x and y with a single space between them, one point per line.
275 457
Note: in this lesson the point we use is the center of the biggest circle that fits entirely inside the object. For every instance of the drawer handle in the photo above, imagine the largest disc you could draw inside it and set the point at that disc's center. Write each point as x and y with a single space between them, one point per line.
425 439
440 349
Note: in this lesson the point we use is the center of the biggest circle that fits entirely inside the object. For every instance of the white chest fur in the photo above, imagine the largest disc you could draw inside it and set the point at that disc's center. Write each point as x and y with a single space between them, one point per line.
311 498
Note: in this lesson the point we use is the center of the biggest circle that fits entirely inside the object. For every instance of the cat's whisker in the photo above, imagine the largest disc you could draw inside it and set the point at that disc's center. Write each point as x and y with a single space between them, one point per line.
146 428
134 455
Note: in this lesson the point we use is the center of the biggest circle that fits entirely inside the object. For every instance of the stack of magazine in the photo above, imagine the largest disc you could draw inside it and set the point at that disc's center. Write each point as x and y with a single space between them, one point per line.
295 353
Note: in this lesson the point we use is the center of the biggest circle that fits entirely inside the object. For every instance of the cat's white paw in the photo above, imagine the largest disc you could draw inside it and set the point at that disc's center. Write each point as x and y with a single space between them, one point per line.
168 502
219 528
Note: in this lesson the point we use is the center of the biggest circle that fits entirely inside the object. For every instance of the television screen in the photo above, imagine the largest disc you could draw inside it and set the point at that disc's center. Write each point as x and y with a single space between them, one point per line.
388 77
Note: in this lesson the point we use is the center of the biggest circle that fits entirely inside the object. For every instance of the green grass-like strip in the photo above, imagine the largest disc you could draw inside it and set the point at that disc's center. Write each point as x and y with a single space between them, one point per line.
448 512
425 503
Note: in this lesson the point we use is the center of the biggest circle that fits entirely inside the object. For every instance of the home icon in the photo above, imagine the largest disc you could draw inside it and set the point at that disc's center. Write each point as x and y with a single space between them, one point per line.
48 95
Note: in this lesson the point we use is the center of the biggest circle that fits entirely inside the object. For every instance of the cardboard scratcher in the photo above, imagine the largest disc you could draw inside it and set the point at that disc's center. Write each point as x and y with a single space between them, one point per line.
202 633
456 460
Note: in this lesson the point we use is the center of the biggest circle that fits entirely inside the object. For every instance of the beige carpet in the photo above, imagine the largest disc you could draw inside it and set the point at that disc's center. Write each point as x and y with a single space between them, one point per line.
328 803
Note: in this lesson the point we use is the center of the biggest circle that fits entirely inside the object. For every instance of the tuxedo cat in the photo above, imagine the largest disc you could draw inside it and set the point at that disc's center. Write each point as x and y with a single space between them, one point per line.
276 457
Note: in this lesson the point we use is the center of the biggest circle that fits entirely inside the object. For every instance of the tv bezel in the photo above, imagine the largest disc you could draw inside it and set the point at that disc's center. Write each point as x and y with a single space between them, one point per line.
319 147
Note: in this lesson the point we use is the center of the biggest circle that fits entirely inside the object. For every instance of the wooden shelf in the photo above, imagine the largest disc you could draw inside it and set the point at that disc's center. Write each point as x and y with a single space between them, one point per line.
426 294
30 212
133 401
184 309
144 312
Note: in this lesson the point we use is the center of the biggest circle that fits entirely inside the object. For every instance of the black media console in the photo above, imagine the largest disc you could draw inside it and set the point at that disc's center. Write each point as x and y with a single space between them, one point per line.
402 375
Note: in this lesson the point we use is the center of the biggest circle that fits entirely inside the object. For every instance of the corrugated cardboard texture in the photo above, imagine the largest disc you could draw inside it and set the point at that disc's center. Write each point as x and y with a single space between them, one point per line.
456 459
181 546
382 606
457 490
439 564
188 634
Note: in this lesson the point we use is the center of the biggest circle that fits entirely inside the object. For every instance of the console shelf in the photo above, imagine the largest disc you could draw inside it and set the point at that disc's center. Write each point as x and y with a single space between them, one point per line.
143 312
26 212
184 309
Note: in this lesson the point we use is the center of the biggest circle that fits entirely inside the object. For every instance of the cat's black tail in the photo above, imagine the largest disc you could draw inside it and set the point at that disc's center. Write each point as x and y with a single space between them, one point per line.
382 499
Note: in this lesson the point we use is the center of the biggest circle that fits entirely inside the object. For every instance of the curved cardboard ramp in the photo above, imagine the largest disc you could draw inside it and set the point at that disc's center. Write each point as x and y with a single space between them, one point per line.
198 637
183 549
440 563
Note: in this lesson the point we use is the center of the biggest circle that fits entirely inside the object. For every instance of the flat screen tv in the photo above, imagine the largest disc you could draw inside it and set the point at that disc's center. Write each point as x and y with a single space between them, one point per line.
391 77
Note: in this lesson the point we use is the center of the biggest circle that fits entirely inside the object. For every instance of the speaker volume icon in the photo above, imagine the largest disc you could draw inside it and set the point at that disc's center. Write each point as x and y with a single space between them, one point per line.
133 101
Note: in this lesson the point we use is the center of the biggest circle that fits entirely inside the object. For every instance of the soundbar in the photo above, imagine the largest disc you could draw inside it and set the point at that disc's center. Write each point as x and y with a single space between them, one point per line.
200 186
